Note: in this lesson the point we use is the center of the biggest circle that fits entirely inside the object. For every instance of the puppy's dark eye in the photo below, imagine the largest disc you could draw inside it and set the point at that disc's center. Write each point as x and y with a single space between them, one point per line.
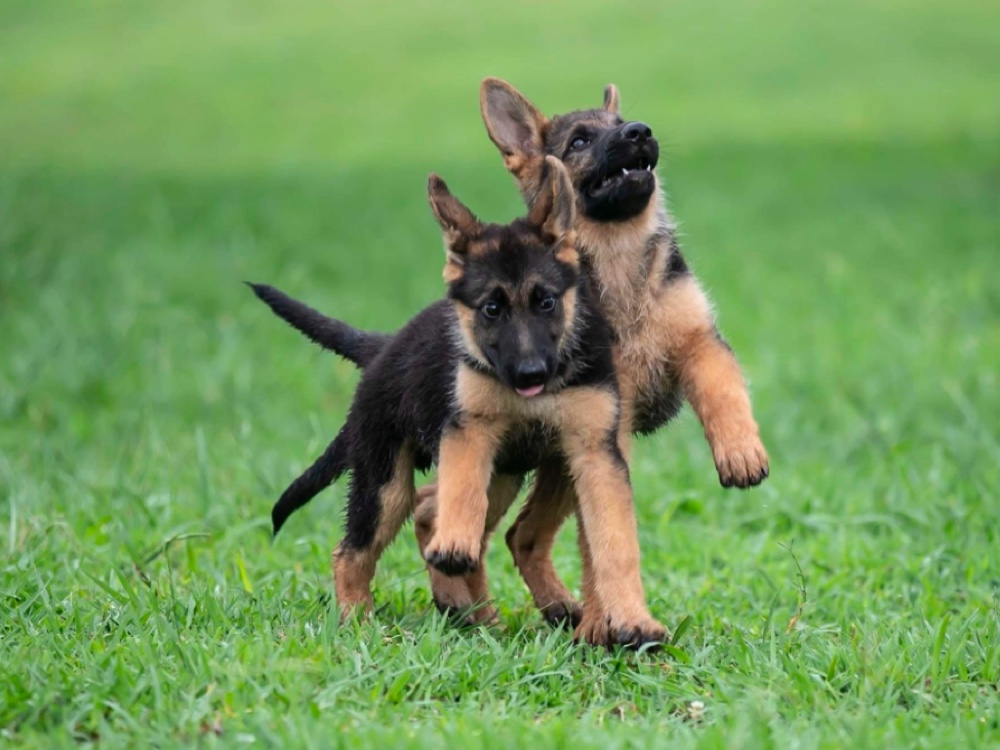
547 304
491 310
577 143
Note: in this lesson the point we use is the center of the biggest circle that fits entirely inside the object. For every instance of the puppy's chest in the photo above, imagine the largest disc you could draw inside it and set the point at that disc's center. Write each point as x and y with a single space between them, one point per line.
645 336
632 302
486 400
527 428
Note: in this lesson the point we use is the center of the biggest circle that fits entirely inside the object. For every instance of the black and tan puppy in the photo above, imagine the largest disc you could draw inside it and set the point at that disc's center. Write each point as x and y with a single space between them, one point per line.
667 346
515 366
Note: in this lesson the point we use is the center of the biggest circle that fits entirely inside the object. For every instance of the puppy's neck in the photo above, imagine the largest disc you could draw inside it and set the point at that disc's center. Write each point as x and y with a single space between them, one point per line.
623 256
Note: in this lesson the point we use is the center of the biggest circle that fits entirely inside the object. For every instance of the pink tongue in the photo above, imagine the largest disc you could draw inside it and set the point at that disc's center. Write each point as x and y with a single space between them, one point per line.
530 392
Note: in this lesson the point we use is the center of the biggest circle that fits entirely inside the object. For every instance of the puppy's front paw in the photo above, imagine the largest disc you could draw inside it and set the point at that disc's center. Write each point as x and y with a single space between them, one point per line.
359 609
636 635
564 614
451 559
632 634
741 459
471 616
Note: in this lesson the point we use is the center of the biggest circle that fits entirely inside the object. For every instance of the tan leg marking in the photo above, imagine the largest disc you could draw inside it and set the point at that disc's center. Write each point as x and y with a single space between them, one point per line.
449 592
353 570
714 385
471 591
532 536
615 610
465 464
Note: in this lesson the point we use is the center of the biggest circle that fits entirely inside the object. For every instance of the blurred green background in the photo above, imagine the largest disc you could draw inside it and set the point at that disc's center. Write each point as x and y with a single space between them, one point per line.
835 169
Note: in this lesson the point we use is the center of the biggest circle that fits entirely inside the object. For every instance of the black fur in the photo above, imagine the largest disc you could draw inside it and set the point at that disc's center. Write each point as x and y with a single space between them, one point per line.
325 470
651 413
359 347
676 265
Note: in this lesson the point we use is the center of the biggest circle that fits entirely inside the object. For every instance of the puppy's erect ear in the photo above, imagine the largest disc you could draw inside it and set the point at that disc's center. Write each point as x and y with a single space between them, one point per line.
513 123
454 218
555 210
458 223
612 102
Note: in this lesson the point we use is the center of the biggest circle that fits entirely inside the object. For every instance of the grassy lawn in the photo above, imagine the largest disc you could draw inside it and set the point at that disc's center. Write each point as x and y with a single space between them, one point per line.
836 171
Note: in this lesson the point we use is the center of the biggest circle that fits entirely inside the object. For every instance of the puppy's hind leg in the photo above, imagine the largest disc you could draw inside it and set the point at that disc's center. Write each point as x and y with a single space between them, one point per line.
531 537
615 609
468 595
377 508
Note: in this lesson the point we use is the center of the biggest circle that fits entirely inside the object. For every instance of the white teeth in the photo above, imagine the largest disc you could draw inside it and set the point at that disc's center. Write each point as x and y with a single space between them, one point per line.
648 169
624 171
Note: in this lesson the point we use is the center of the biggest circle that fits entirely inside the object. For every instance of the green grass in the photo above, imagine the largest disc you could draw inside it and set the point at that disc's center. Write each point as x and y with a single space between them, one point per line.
836 170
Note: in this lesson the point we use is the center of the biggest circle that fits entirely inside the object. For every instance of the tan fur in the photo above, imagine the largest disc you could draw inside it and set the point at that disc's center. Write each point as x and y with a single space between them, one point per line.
612 102
567 252
465 463
452 272
712 380
532 536
450 592
618 605
569 315
352 579
353 570
469 593
584 417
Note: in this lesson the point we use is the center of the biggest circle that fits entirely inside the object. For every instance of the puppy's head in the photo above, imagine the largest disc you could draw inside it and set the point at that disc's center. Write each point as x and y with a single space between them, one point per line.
514 286
610 161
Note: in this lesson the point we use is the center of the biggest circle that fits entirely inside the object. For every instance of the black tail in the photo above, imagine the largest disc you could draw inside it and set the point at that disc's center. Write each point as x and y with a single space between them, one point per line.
325 470
359 347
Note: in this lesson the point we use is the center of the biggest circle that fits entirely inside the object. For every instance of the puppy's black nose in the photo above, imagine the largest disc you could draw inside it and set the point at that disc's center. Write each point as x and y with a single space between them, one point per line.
530 372
636 131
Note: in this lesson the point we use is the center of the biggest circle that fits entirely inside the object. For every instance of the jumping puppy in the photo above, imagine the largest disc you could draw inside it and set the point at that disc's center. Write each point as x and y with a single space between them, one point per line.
515 367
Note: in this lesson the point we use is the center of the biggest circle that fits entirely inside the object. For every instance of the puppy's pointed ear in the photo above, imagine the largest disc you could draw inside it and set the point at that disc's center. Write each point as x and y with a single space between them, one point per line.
513 123
612 102
457 222
454 218
555 210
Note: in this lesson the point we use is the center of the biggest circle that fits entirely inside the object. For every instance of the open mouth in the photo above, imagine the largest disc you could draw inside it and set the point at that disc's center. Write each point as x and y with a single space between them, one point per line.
530 391
638 168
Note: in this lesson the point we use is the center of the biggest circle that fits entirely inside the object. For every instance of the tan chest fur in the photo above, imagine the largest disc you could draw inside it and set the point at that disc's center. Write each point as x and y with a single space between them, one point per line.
654 318
488 401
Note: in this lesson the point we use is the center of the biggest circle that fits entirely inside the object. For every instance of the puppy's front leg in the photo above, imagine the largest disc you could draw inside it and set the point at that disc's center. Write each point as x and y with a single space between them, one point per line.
465 464
614 607
468 596
713 384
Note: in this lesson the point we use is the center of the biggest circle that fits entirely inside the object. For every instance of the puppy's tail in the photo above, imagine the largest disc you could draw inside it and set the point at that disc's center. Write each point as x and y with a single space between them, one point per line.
325 470
359 347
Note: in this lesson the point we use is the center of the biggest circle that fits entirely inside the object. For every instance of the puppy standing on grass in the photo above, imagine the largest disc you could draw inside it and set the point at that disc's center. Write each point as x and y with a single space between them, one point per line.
668 348
516 365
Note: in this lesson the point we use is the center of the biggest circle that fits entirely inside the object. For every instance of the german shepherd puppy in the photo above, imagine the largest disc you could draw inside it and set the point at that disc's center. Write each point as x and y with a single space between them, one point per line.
667 346
517 364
